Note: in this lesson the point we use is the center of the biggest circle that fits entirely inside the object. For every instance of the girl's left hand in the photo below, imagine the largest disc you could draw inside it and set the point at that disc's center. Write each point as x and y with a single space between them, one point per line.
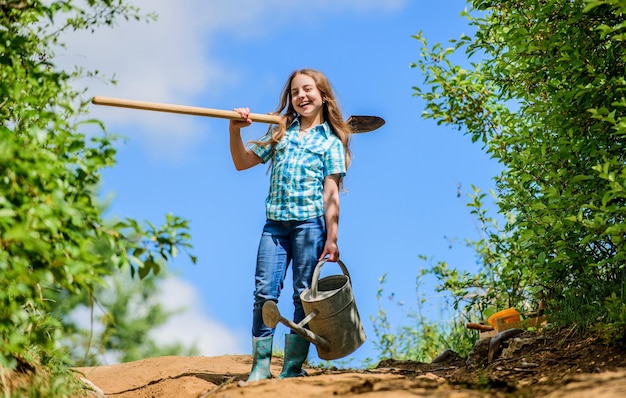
245 115
331 250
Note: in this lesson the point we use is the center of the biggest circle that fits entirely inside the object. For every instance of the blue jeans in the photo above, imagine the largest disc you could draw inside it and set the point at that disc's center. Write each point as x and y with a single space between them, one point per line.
282 242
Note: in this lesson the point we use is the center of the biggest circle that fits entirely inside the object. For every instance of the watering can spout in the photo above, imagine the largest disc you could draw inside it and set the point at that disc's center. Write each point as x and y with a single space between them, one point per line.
271 317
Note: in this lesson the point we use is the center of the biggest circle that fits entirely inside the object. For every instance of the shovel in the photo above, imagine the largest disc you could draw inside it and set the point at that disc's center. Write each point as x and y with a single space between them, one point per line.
358 124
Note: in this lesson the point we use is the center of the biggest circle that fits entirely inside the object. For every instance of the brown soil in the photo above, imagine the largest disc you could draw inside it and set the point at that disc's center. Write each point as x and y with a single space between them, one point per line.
550 364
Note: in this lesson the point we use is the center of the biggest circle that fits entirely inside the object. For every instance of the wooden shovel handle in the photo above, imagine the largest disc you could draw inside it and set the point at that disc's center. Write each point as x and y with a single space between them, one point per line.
187 110
478 326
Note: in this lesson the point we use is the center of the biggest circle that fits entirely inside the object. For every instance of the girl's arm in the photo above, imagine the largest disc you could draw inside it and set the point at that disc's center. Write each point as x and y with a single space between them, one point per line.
242 158
331 216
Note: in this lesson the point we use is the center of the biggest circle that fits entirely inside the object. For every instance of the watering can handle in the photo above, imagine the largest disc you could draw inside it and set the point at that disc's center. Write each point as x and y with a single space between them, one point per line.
318 269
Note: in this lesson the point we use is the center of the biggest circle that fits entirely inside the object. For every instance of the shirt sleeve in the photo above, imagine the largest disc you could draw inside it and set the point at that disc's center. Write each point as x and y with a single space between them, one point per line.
263 151
335 159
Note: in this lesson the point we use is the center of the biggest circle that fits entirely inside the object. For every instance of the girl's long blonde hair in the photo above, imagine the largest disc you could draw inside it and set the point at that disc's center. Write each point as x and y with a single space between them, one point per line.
331 112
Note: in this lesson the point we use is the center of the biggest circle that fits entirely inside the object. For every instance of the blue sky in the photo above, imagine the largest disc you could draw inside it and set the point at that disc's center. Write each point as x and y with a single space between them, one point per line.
401 198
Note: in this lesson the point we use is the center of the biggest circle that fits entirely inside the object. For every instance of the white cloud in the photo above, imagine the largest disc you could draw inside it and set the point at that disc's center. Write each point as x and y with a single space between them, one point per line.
189 326
164 60
192 326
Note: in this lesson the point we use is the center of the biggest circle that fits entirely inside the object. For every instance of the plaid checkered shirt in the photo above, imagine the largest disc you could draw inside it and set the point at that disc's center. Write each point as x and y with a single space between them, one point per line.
299 167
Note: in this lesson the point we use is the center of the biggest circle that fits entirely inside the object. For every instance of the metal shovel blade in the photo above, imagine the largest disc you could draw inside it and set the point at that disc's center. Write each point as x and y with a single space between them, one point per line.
364 124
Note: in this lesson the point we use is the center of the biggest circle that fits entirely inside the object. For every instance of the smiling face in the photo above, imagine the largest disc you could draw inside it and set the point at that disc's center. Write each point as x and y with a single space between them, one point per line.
307 100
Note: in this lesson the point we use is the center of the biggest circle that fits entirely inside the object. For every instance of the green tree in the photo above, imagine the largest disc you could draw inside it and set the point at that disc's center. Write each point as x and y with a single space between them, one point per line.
545 97
122 316
53 238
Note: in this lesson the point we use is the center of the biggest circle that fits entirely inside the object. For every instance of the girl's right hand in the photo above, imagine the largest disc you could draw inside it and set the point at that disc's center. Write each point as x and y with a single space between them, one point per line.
245 114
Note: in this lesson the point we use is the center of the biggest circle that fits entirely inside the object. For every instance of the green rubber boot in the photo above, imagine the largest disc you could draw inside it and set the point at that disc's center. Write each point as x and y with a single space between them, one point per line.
296 351
261 358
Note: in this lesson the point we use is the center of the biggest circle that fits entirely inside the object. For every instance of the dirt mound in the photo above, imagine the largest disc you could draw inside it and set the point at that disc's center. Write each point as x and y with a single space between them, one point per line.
552 364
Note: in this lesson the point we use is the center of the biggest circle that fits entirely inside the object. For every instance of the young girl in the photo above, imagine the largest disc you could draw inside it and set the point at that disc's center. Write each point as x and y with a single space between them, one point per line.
310 154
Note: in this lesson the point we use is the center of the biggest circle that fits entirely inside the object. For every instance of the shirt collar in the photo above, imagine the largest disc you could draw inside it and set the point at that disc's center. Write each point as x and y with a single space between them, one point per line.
324 128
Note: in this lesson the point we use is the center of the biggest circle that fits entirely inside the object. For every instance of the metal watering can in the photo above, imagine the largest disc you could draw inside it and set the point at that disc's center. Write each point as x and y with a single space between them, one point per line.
330 310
